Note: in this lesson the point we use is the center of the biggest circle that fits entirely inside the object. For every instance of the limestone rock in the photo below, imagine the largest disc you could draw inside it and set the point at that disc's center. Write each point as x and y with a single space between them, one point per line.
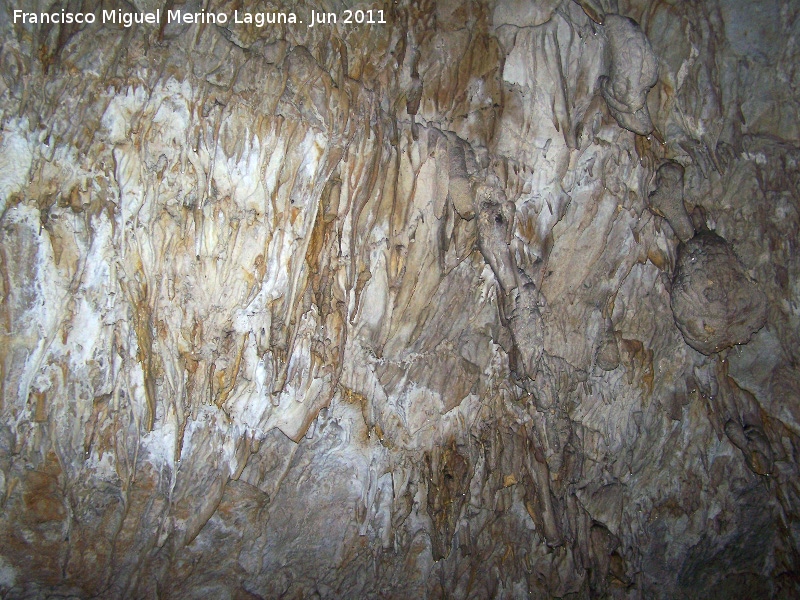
716 305
666 200
377 309
593 9
633 70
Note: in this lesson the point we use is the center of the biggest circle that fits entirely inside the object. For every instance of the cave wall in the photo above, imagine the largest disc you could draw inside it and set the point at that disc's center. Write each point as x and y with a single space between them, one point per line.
404 309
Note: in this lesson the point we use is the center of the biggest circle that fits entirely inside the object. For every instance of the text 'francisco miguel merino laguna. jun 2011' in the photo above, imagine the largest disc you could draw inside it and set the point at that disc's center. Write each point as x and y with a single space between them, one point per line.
259 19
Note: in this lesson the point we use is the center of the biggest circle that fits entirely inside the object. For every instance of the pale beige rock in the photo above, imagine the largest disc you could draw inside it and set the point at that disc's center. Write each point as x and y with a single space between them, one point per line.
521 13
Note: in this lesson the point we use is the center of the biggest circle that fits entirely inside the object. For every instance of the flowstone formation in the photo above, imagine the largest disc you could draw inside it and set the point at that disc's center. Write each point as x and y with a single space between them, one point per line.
633 70
666 200
491 299
716 305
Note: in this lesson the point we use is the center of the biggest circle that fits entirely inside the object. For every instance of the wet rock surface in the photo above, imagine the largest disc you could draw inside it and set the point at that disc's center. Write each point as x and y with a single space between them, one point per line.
391 310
